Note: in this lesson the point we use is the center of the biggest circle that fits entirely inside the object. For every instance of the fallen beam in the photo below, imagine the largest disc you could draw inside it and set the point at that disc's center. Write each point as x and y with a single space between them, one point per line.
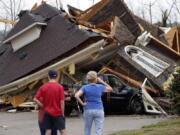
132 81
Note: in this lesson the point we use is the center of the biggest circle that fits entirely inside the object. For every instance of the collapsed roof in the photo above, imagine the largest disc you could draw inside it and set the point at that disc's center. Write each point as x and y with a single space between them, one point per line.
106 9
58 37
125 21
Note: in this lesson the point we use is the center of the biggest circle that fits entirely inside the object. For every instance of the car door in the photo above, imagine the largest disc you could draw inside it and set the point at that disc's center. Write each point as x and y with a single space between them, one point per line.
118 96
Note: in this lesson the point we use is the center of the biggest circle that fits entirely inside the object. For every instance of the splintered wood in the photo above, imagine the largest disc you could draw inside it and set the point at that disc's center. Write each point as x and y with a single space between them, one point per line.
173 38
17 100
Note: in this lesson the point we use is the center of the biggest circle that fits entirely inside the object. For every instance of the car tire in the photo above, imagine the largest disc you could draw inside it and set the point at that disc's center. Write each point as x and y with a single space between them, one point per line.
136 106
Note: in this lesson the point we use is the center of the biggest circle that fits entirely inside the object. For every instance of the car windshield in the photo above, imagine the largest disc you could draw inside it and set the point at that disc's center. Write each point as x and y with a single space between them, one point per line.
114 82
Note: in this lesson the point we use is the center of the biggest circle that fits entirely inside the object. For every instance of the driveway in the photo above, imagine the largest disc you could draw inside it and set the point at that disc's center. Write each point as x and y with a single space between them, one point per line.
26 123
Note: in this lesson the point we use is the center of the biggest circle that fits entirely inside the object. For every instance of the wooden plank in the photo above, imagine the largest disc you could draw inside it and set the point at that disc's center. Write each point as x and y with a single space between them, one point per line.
17 100
85 23
106 65
162 45
93 10
59 75
120 32
178 44
107 24
34 7
100 31
32 85
7 21
170 36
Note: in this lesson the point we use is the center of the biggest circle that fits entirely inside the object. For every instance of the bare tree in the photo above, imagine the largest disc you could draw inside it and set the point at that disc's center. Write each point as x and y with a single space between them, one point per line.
150 6
59 4
165 14
10 10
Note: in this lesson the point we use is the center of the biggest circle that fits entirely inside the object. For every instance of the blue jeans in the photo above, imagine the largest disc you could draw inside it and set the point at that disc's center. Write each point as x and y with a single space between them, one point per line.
93 115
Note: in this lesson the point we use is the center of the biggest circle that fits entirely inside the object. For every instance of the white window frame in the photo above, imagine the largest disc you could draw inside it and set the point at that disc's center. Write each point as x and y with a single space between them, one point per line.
150 63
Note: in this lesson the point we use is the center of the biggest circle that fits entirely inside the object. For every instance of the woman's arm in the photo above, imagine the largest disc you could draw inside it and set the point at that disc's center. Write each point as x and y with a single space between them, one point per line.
78 95
108 88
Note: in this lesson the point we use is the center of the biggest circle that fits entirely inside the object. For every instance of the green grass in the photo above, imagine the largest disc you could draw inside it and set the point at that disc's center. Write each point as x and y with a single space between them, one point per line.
170 127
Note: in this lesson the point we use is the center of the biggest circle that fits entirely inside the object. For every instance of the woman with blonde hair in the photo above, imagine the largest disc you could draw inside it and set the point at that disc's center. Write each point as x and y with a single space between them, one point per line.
93 106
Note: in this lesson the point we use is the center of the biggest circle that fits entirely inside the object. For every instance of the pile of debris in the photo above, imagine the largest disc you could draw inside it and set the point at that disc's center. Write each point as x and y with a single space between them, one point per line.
107 35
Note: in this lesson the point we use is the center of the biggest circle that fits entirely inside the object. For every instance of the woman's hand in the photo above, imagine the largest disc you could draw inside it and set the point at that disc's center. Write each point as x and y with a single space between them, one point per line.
99 80
77 96
108 88
84 104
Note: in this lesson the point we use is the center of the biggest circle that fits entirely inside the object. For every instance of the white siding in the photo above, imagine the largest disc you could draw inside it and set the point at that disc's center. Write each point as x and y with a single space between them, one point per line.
26 38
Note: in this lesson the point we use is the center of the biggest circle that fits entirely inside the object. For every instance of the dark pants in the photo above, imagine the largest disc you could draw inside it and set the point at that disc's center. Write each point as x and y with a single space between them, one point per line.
43 130
54 122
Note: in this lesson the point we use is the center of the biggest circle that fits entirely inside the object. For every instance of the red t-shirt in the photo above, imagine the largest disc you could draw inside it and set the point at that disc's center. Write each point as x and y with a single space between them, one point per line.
51 93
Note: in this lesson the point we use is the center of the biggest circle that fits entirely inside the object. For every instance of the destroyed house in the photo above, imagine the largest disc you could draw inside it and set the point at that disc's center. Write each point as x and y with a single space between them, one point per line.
148 62
106 9
47 38
40 38
154 60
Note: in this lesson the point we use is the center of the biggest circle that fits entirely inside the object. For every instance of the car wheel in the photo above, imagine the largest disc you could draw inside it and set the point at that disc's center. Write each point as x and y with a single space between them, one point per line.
136 106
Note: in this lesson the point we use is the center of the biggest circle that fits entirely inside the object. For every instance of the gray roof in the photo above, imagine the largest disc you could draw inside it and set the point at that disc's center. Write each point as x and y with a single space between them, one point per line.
57 38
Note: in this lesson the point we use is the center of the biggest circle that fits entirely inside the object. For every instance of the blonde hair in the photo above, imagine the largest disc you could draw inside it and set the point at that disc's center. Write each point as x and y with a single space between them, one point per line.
91 75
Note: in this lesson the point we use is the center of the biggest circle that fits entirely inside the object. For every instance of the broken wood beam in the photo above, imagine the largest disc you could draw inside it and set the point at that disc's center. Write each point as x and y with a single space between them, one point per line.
130 80
7 21
166 48
31 86
178 40
17 100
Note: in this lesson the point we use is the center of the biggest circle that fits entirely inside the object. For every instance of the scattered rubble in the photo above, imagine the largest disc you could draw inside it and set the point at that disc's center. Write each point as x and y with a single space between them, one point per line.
3 126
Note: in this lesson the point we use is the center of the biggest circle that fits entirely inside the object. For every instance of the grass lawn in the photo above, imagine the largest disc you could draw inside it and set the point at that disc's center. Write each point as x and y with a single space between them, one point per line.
170 127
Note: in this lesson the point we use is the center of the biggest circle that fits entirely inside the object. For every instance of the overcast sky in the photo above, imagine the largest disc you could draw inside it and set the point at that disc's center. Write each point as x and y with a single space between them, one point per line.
139 7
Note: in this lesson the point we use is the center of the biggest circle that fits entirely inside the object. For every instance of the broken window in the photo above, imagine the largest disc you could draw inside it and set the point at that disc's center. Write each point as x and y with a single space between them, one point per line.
152 64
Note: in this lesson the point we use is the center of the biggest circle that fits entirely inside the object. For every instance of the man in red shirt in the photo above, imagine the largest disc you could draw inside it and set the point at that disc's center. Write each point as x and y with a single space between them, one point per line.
52 94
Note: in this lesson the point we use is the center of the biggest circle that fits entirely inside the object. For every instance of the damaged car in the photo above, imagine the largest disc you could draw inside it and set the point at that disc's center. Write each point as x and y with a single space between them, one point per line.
122 99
